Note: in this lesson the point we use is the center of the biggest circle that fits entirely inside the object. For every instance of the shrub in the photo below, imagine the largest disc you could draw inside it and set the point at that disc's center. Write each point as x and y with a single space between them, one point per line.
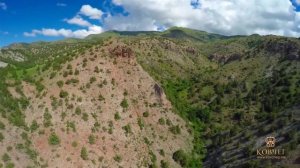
1 137
52 75
117 116
164 164
84 153
47 119
101 98
118 158
180 157
124 103
78 111
92 79
2 126
175 129
63 94
34 126
85 116
92 139
76 72
161 121
5 157
69 66
74 144
141 123
60 84
146 114
53 139
127 129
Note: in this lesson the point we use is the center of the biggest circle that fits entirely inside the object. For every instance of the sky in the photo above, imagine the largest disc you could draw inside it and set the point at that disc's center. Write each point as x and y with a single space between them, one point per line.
36 20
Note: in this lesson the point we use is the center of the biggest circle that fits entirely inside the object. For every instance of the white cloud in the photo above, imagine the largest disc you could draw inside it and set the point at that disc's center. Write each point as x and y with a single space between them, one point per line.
92 13
77 20
81 33
61 4
3 6
227 17
297 2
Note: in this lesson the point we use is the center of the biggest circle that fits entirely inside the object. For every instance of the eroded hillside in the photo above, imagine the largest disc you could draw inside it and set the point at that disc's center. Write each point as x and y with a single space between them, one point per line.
100 109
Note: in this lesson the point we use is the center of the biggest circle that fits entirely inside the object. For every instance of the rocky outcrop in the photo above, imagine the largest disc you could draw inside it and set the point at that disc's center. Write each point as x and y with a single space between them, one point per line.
224 59
288 49
122 51
191 50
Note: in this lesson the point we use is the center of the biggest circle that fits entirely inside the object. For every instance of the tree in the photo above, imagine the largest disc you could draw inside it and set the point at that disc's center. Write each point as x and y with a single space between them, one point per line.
180 157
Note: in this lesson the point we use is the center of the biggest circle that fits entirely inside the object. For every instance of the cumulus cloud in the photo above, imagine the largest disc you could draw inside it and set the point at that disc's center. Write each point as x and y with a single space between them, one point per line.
81 33
92 13
227 17
86 10
3 6
77 20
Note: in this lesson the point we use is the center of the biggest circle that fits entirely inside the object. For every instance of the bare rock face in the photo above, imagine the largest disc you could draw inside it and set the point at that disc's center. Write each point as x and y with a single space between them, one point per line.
158 90
288 49
190 50
122 51
220 58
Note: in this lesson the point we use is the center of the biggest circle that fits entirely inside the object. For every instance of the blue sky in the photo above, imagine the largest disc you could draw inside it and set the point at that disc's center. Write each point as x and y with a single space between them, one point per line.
23 16
35 20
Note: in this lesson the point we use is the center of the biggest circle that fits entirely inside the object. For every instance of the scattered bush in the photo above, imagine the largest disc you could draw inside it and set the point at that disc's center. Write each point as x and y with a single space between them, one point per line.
2 126
6 157
84 153
175 129
118 158
180 157
146 114
127 129
161 121
77 111
85 116
92 139
63 94
60 83
53 139
34 126
1 137
124 103
117 116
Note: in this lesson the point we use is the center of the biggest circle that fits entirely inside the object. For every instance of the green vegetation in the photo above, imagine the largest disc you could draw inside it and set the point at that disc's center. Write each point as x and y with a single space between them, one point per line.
2 126
146 114
47 119
63 94
34 126
84 153
124 103
53 139
127 129
1 137
117 158
92 139
117 116
223 87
